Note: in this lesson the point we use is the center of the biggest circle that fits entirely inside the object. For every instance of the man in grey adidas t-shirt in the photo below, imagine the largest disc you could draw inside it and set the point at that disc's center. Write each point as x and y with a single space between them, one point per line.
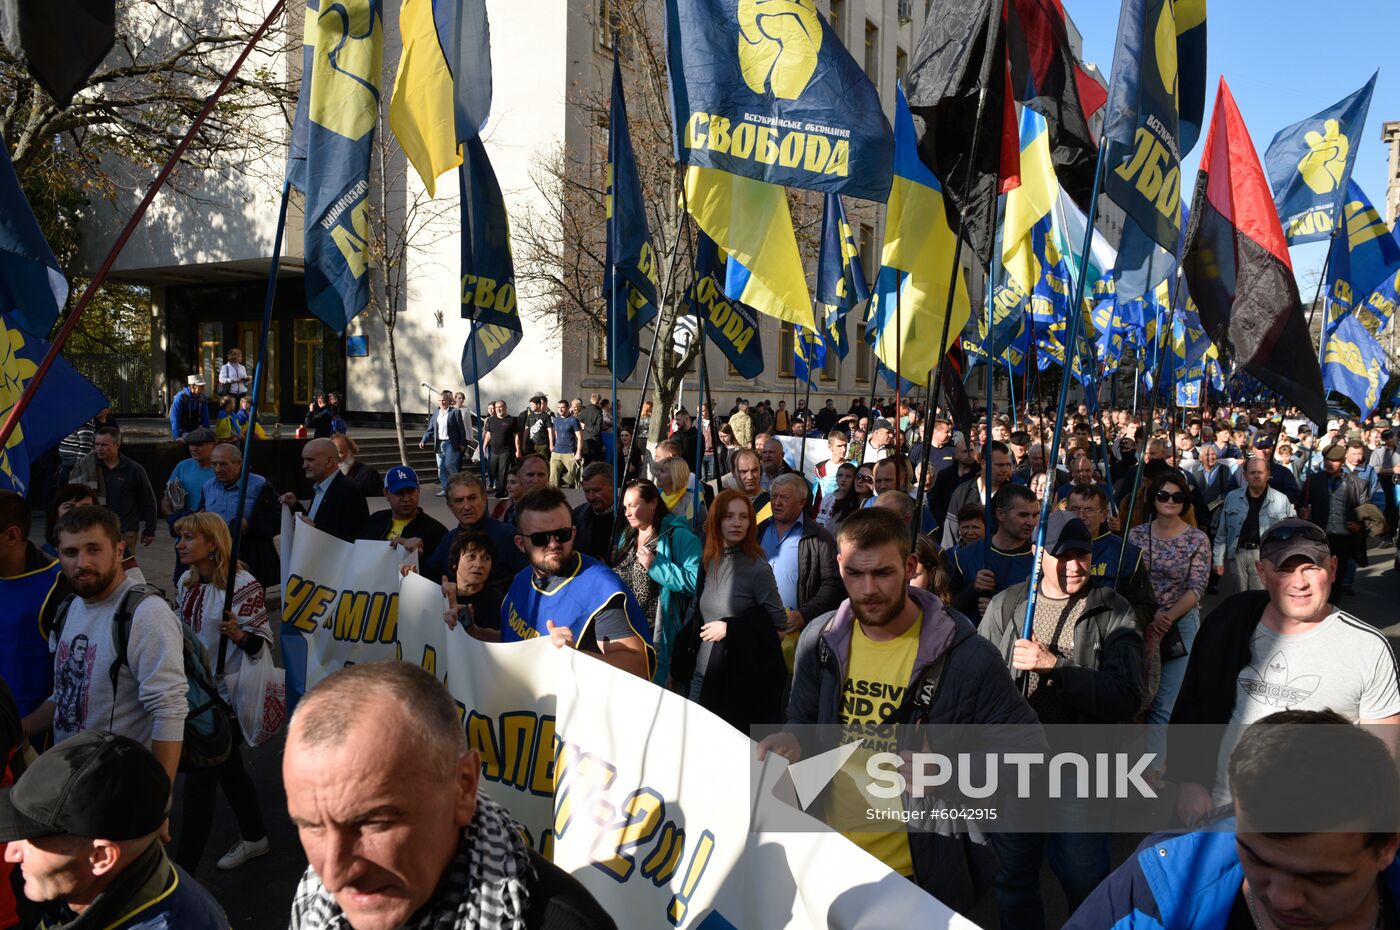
1302 654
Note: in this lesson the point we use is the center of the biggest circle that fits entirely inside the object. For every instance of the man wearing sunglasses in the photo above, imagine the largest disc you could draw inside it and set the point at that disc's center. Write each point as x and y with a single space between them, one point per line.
1285 646
573 599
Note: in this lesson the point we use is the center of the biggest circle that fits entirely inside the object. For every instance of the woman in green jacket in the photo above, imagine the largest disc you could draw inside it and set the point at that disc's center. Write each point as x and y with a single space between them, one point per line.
659 559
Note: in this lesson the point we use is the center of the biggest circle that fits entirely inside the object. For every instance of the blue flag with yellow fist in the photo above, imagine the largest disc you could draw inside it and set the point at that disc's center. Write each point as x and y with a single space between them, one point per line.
488 269
1309 164
1354 365
765 89
332 139
1364 256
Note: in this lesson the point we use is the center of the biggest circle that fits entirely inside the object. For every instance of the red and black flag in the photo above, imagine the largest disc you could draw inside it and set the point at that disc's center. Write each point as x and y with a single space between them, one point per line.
1033 62
1238 270
954 373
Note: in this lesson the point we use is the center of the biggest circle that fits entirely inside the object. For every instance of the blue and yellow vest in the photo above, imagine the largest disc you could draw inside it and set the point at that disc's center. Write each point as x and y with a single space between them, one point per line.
576 598
25 662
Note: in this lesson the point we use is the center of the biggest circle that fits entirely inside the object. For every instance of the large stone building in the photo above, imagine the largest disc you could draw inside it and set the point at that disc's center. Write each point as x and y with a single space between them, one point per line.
205 258
1390 135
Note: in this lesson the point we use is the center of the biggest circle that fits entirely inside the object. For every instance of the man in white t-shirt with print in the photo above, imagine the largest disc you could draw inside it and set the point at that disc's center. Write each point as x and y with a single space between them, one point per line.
1284 648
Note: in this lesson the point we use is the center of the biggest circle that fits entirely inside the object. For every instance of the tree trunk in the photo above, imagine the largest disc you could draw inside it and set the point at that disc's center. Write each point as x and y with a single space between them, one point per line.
394 394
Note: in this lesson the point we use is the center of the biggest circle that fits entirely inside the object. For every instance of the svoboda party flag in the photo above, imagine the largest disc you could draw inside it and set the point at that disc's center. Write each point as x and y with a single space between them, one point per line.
332 138
1310 163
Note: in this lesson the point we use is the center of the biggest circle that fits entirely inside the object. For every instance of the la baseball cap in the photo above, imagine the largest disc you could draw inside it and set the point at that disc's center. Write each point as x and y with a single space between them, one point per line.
94 784
400 477
1291 537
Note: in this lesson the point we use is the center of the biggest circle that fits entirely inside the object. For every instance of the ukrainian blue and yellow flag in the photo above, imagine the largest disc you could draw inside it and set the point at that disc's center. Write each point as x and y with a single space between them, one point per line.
840 278
630 274
911 291
1309 165
488 269
329 161
1029 203
1364 256
65 400
1354 365
809 354
442 93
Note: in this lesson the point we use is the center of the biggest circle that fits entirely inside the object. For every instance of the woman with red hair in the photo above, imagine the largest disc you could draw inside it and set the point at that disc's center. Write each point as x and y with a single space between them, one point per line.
728 658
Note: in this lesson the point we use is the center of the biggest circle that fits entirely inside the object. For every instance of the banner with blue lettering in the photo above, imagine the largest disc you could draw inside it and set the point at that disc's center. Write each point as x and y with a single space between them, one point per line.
765 89
1309 164
329 160
731 326
488 270
1354 365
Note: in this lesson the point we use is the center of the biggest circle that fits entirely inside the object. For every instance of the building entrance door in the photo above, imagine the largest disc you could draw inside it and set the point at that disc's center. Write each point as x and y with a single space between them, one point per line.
272 387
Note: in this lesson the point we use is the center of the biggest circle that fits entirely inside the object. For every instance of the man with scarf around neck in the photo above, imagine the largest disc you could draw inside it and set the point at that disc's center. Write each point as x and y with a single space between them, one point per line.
384 791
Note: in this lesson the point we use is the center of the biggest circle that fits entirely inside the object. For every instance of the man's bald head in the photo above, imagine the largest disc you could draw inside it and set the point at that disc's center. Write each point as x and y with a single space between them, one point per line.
320 459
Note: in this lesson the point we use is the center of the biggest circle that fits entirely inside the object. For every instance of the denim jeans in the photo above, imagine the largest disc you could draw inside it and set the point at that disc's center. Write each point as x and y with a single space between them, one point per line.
447 460
1160 713
1079 860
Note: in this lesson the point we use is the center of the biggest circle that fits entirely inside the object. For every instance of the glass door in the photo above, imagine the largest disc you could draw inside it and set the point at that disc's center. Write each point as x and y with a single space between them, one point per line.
211 354
308 355
248 341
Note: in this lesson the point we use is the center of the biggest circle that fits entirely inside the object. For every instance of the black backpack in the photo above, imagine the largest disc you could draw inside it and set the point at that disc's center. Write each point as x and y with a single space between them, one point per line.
208 737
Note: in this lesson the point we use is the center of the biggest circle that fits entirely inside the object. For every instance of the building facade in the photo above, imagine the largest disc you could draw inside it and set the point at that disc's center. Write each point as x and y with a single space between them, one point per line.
206 257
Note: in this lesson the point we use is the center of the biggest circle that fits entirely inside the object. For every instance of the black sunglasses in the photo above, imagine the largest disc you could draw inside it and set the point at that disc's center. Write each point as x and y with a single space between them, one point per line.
1175 497
540 540
864 478
1282 534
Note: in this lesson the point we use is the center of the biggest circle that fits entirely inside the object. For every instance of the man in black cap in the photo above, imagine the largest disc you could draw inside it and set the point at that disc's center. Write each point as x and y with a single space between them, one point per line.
83 824
1084 662
880 442
1329 500
1259 650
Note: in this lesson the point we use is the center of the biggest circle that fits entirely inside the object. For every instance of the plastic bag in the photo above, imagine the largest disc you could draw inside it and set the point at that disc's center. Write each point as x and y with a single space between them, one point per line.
259 692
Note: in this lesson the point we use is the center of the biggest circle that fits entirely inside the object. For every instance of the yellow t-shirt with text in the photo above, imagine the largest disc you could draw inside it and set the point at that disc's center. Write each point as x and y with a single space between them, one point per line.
876 680
396 528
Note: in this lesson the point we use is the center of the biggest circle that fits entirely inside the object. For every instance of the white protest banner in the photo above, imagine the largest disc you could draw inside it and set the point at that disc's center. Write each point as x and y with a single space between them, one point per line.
644 796
342 598
817 452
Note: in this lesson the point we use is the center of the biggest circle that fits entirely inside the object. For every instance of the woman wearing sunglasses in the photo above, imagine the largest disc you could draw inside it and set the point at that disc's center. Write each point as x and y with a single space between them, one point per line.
865 482
658 557
1178 560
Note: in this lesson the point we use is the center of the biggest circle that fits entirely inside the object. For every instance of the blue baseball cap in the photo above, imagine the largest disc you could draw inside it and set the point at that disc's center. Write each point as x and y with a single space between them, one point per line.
399 478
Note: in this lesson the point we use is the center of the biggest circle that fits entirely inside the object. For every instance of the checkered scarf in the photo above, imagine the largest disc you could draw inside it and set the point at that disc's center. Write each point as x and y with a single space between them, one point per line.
486 886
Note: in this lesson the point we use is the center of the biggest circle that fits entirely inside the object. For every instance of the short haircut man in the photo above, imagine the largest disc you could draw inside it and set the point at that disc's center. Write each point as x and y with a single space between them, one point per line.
382 743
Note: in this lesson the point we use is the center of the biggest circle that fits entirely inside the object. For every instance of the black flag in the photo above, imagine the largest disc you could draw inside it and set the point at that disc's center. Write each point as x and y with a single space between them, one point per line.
60 43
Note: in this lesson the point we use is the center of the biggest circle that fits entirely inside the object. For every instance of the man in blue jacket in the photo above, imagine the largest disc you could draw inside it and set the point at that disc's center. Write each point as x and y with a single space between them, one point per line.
1308 848
189 410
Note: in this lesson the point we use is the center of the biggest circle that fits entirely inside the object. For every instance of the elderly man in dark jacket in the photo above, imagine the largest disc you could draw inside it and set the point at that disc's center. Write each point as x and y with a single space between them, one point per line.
1084 662
955 677
801 553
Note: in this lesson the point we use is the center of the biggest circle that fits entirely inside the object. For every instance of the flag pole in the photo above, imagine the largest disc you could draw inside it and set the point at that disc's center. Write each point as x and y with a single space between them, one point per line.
613 328
665 293
1076 316
1322 329
476 392
259 369
987 445
984 78
802 453
31 386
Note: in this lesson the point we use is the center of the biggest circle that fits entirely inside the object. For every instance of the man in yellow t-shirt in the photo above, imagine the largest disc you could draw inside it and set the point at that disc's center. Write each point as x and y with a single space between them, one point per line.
854 668
404 520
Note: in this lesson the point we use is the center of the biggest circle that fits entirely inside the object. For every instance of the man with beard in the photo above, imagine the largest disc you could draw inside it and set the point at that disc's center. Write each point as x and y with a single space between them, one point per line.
140 695
890 638
572 598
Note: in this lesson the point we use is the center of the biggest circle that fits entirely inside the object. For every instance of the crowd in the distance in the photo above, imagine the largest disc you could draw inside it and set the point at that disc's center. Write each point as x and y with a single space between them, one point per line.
767 564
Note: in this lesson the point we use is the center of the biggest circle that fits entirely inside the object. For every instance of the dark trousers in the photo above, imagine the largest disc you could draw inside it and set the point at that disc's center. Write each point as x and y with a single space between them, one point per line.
1343 546
1079 860
1392 512
501 464
197 816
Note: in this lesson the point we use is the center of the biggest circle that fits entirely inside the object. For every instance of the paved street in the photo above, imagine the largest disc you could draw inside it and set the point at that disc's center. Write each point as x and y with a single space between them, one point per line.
258 894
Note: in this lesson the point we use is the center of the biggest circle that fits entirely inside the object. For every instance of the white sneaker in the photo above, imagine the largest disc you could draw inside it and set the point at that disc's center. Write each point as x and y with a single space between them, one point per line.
241 852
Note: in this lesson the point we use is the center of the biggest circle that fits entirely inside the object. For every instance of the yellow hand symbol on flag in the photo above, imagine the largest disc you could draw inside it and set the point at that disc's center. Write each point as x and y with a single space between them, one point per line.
1322 168
779 41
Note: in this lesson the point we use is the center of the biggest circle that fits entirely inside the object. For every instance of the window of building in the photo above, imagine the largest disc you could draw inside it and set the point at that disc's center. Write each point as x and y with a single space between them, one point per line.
872 53
866 247
785 349
901 64
863 356
248 332
307 356
600 348
831 371
211 351
837 19
607 22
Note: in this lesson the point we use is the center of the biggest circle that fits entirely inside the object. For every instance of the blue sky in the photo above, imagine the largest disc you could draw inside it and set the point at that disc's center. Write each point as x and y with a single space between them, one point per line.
1285 60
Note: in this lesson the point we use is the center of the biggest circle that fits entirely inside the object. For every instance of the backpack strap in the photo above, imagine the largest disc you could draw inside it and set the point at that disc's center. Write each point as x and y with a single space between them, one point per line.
60 616
922 691
121 628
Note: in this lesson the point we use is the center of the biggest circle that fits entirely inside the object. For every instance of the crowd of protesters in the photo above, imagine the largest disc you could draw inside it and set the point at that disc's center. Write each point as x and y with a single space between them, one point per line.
762 564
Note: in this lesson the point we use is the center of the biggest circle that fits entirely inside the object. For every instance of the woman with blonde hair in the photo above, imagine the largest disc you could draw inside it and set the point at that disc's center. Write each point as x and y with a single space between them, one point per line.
204 547
673 478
